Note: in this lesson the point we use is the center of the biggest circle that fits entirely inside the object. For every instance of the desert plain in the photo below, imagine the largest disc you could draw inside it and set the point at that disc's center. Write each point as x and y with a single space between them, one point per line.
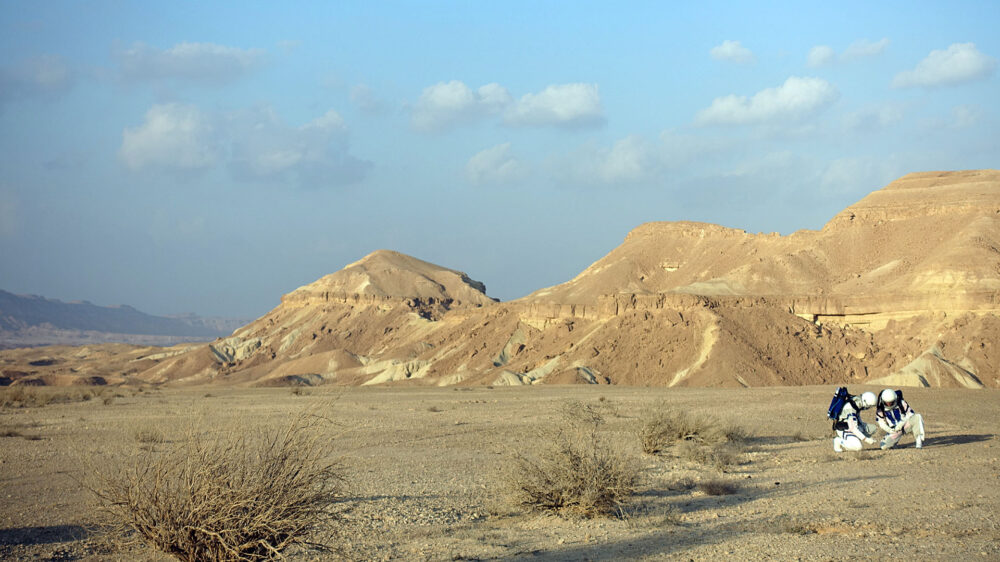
430 395
423 473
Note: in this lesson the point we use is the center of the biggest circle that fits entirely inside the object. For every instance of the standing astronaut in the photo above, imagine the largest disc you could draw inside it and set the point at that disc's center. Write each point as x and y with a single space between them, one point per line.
896 417
850 430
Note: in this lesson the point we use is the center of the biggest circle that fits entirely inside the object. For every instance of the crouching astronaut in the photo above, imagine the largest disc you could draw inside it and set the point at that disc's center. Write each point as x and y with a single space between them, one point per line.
851 431
896 417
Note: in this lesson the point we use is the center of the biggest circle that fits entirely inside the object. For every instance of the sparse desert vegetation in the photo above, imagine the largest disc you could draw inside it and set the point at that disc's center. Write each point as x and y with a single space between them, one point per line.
663 426
238 494
578 470
23 396
411 484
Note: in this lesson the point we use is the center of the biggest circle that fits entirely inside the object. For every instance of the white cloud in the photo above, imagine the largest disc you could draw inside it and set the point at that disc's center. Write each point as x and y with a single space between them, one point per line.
823 55
315 154
204 63
495 165
960 62
732 51
562 105
45 76
820 55
795 99
494 98
864 48
255 143
447 104
174 137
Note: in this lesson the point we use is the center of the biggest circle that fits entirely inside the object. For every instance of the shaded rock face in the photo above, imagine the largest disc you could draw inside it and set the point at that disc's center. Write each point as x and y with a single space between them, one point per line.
901 288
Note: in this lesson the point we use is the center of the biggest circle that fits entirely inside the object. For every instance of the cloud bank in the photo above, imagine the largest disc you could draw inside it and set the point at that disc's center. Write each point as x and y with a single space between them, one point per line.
255 144
959 63
793 100
173 138
447 105
565 105
823 55
199 63
265 149
732 51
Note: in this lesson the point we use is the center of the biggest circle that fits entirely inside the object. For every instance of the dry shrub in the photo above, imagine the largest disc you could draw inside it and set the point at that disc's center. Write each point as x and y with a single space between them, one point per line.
578 413
576 472
148 436
237 495
646 516
681 485
716 455
663 427
800 436
718 487
23 396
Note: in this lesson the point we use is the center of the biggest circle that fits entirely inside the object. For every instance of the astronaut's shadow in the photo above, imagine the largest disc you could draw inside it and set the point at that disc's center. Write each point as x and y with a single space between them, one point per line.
945 440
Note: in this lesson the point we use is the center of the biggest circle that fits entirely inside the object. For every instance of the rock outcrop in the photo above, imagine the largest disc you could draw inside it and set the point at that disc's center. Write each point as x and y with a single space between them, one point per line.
902 288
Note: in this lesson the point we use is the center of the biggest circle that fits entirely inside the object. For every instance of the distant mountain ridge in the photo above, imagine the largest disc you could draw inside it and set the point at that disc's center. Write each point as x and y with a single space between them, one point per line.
37 320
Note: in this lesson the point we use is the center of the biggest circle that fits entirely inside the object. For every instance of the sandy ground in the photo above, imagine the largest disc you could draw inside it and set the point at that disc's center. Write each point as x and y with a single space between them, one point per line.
422 479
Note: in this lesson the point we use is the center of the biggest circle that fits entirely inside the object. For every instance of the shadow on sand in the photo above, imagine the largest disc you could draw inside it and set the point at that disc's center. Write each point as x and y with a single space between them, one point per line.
43 535
945 440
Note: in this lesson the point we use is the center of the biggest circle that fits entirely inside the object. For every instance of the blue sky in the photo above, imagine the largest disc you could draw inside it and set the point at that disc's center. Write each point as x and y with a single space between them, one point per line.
210 157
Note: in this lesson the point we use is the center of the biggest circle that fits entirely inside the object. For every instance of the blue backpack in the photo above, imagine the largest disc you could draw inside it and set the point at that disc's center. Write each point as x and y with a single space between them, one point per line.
840 399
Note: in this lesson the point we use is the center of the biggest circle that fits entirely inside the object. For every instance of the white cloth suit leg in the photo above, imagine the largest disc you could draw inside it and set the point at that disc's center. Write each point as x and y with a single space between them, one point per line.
915 425
848 443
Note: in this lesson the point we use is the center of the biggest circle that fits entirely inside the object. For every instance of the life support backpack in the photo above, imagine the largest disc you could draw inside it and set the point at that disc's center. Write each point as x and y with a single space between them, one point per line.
840 399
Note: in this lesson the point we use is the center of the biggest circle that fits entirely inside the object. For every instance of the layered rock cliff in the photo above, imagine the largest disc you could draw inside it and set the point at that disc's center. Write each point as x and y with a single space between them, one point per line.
901 288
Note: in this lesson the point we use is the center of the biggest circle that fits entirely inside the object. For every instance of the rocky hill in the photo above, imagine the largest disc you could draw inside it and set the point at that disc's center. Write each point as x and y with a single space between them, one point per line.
901 288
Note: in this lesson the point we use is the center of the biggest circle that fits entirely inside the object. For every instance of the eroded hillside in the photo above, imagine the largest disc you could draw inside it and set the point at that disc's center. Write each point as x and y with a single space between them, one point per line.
901 288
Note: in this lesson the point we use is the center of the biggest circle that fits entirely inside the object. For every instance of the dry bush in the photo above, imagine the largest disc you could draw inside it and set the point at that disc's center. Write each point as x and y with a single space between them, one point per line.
576 472
648 516
578 413
22 396
237 495
800 436
681 485
718 487
663 427
716 455
148 436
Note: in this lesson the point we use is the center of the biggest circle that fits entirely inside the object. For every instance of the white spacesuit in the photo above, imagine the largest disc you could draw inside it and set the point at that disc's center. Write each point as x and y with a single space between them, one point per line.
851 431
895 417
